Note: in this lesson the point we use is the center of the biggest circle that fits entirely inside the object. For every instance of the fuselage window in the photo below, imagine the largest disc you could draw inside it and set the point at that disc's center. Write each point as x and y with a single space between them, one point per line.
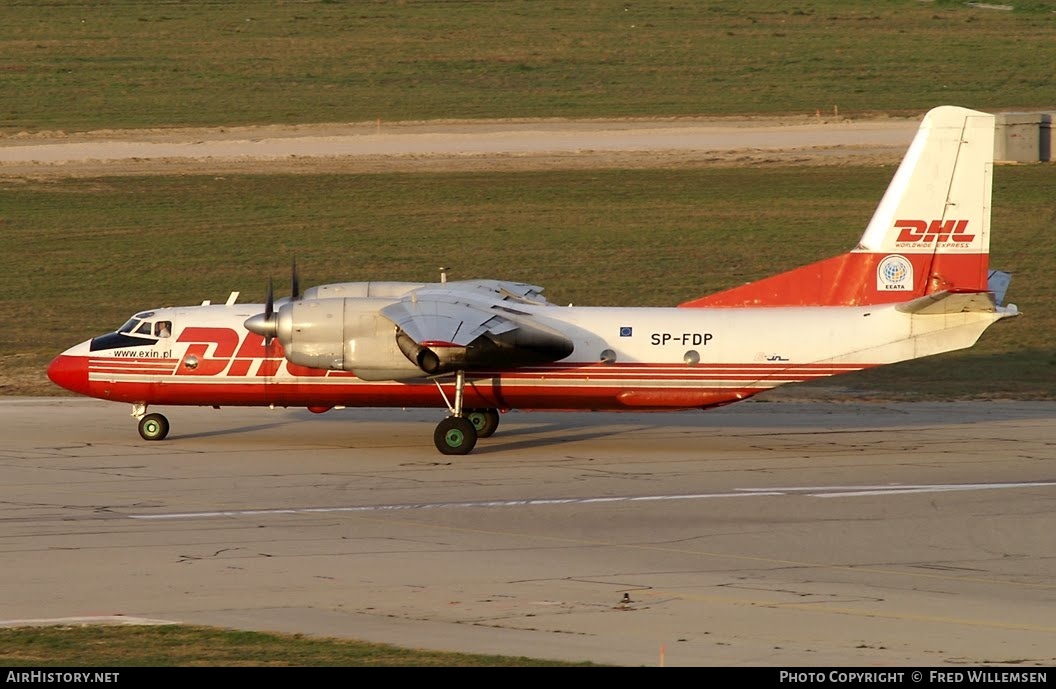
163 329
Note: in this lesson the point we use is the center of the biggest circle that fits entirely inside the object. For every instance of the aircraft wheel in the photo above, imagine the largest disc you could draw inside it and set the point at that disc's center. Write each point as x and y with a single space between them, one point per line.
153 427
455 435
484 420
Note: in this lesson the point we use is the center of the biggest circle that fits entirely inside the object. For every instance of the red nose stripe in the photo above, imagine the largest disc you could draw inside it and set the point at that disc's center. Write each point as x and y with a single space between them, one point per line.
70 372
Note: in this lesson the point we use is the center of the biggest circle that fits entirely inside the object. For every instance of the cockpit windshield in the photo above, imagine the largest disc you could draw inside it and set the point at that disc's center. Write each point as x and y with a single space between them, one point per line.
129 326
136 324
139 331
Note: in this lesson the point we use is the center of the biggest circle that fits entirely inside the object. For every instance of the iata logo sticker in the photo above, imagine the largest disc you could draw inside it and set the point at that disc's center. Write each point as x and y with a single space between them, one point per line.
894 274
943 234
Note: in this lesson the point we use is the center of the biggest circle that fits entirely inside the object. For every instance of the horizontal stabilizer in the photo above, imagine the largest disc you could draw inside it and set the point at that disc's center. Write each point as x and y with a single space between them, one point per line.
941 303
997 282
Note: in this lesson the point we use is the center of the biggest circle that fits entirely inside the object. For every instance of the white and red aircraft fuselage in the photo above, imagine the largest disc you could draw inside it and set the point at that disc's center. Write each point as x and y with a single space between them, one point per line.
917 284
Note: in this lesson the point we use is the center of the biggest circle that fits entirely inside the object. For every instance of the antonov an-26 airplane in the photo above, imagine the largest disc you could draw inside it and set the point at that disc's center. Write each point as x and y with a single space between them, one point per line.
916 284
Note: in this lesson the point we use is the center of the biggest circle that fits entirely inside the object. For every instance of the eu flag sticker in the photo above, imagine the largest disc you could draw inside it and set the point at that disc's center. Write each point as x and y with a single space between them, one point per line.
625 331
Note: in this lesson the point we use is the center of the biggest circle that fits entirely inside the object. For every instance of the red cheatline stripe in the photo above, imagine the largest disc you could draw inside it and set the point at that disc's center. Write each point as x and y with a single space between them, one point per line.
579 386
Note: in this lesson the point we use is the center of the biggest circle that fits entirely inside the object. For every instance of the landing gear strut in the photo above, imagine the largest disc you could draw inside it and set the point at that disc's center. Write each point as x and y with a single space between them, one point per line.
455 435
458 433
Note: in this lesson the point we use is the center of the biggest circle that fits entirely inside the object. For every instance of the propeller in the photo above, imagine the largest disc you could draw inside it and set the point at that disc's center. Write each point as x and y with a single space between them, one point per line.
264 323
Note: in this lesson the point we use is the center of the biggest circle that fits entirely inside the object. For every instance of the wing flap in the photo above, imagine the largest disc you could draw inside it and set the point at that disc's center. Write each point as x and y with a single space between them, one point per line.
452 322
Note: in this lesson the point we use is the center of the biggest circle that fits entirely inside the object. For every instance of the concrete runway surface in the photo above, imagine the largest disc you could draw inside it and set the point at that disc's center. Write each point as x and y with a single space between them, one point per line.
769 533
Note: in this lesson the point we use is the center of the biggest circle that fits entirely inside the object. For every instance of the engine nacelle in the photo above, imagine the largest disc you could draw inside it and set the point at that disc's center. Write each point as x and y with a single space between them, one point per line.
343 335
523 346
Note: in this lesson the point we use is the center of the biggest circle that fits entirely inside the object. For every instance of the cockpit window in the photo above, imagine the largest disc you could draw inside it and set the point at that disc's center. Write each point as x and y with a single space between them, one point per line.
136 332
129 326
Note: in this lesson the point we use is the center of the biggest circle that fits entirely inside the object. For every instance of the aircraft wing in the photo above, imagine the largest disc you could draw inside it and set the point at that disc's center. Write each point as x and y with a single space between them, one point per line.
445 319
460 312
474 324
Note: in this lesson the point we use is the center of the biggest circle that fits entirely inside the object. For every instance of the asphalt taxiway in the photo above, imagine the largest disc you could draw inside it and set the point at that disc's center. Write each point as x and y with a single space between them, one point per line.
766 533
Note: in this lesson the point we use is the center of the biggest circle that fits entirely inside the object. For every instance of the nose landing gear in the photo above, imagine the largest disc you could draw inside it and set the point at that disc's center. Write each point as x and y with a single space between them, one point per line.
151 426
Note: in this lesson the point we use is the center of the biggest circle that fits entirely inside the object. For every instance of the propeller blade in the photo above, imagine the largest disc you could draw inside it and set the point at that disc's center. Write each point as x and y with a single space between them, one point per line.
269 313
295 290
265 324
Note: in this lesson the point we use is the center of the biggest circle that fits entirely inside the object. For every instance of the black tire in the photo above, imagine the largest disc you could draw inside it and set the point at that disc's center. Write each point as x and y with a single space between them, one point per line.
153 427
455 435
484 420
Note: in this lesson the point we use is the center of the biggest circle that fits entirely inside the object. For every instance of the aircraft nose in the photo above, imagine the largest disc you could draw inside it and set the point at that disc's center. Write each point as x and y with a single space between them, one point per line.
69 372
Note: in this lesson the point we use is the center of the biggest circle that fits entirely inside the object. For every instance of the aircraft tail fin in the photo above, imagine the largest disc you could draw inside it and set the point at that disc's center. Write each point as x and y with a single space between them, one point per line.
930 233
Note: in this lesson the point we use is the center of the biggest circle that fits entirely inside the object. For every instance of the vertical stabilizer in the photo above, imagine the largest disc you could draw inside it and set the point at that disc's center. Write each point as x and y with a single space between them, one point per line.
930 232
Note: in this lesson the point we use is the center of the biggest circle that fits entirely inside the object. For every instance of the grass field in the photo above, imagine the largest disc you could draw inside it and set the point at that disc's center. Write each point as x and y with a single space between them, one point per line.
188 646
91 64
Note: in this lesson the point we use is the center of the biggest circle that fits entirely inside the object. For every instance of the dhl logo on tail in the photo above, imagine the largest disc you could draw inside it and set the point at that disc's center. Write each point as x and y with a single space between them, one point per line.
940 232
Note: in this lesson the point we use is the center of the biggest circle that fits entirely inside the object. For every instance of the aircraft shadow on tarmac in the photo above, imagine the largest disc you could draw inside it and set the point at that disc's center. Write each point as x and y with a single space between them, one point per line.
529 430
530 436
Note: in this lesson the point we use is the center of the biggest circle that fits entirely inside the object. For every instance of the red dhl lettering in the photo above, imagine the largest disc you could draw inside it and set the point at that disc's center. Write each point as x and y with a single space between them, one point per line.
252 359
940 231
222 341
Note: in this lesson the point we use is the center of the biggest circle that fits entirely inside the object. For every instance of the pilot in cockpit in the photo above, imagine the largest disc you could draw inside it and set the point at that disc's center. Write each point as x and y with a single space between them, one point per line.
163 329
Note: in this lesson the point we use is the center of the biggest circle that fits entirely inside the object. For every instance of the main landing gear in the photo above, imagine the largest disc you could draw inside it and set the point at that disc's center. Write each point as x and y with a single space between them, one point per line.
455 435
458 433
151 426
